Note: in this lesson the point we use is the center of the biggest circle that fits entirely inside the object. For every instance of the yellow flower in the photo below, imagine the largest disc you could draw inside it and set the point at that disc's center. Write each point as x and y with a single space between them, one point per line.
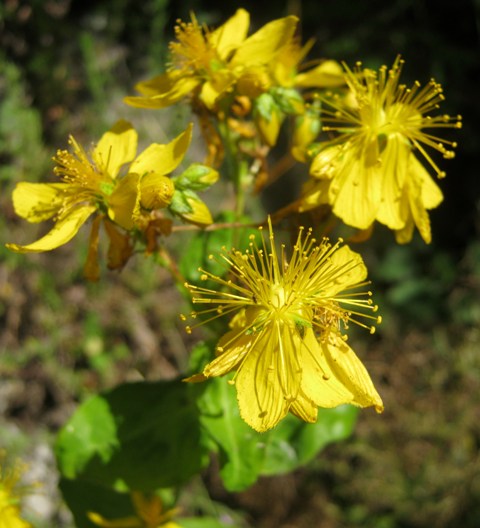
369 171
10 495
287 342
149 514
208 64
94 184
288 71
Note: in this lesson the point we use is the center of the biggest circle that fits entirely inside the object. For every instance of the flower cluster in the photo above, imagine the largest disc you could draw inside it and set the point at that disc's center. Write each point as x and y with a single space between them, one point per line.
250 82
287 342
364 135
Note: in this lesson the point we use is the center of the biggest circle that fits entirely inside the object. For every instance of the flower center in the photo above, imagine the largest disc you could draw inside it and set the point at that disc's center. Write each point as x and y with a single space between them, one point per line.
193 50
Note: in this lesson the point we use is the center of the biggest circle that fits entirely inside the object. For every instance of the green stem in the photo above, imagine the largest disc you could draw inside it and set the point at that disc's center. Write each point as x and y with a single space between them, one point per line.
237 168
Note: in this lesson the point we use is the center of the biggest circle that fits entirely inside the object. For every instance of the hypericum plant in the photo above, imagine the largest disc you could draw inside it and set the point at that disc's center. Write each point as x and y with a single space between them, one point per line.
279 314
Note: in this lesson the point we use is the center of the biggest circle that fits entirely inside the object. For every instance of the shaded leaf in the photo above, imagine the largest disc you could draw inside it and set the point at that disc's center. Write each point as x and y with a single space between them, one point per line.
140 435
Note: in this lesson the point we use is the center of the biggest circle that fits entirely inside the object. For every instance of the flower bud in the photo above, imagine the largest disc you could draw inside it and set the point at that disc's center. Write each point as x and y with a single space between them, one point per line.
197 177
156 191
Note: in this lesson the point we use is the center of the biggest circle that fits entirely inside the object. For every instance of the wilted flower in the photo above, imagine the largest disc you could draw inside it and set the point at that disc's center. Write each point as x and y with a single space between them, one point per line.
369 170
287 342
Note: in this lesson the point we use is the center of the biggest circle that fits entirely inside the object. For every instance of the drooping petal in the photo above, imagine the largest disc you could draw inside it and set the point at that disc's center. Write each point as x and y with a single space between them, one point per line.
320 382
116 147
261 47
404 235
430 194
61 233
328 74
163 159
420 214
37 202
351 373
230 35
304 408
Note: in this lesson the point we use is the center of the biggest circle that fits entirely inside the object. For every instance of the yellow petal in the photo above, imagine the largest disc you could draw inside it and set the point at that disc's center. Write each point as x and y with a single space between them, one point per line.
395 163
199 214
420 217
430 194
121 203
37 202
163 91
356 191
269 128
328 74
236 344
124 522
159 85
62 232
230 35
260 48
314 193
163 159
209 95
320 382
349 370
345 269
324 164
304 409
260 397
115 148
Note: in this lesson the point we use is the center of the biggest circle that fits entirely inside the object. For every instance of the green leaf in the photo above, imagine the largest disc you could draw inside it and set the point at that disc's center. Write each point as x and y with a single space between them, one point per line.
179 204
288 100
245 455
82 496
265 106
91 432
294 443
241 449
140 436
